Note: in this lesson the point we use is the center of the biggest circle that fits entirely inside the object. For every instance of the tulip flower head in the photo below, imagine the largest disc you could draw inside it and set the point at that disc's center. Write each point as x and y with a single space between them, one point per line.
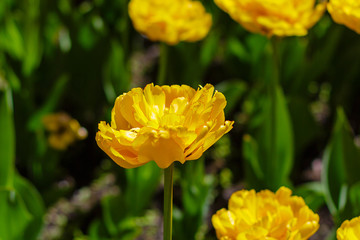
170 21
274 17
163 124
349 230
63 130
265 215
346 12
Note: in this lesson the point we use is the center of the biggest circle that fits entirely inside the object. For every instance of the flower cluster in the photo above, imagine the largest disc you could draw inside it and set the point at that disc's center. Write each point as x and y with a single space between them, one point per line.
163 124
346 12
265 215
274 17
170 21
349 230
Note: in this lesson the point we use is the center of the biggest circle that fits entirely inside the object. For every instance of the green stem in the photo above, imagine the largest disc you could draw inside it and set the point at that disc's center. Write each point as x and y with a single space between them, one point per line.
274 82
168 172
276 61
7 138
168 201
125 32
162 64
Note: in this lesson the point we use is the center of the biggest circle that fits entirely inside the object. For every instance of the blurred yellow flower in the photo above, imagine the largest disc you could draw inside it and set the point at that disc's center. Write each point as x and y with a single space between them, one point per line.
163 124
274 17
265 215
349 230
63 130
346 12
170 21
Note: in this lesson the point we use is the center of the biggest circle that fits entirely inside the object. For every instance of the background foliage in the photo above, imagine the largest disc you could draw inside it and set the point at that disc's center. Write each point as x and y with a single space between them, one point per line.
77 56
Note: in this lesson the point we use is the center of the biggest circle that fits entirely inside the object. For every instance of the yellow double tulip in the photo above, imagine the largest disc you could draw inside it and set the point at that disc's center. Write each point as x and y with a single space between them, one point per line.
163 124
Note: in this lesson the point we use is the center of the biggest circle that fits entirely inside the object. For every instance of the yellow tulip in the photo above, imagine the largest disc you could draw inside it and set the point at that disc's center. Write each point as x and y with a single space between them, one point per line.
170 21
349 230
63 130
274 17
265 215
163 124
346 12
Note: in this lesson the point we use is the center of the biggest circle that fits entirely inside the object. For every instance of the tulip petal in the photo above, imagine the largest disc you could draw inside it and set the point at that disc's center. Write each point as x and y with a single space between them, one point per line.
224 223
158 147
118 145
176 91
215 136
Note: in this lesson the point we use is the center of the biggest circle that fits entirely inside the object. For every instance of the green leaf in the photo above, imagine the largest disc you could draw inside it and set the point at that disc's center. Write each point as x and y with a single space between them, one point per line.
312 193
55 94
323 56
196 187
275 156
140 187
33 49
3 8
236 47
284 148
87 38
97 231
341 164
197 194
294 58
11 39
209 49
343 196
7 139
13 80
256 44
30 196
254 172
354 197
233 90
112 214
34 204
181 55
94 230
14 216
129 229
141 184
118 220
32 39
115 73
306 129
64 7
